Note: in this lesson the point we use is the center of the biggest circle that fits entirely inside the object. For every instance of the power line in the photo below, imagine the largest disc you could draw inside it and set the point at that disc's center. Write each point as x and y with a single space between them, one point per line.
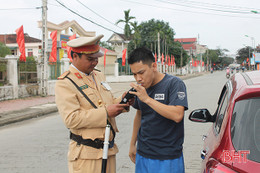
198 12
84 17
211 9
98 14
35 8
218 5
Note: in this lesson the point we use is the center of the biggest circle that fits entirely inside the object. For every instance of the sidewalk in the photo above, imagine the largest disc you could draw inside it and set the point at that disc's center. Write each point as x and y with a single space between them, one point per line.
12 111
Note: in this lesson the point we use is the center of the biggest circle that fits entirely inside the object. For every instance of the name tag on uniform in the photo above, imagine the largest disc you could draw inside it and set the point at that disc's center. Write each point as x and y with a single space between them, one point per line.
159 97
105 84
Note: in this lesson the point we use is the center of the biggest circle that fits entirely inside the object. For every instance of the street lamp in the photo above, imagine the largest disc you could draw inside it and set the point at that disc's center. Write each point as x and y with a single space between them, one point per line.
253 45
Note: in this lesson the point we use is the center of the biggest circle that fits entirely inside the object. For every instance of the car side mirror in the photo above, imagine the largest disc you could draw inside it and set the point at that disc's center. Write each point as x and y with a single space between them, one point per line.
201 115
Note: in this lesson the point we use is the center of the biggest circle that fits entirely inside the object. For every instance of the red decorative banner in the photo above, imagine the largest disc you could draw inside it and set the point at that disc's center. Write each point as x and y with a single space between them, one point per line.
69 48
63 44
20 42
105 57
123 57
162 58
53 56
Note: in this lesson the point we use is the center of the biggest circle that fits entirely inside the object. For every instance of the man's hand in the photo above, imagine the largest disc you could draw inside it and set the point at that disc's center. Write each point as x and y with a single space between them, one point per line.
130 101
132 153
115 109
140 92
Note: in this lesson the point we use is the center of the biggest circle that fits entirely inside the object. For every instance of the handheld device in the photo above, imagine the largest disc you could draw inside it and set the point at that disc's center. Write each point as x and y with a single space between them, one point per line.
128 96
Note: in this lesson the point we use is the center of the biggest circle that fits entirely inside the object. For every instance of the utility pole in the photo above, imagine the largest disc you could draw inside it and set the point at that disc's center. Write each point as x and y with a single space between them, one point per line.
44 60
181 57
207 60
159 52
190 65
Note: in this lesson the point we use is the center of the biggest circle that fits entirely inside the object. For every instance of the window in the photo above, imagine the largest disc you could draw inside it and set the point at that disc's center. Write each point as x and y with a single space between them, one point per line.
245 127
30 52
223 102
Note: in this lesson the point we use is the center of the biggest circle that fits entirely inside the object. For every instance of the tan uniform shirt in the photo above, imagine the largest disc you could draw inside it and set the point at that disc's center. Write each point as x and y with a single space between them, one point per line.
80 116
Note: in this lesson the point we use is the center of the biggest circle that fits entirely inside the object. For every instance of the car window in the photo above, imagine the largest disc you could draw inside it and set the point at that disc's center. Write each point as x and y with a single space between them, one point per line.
221 112
245 127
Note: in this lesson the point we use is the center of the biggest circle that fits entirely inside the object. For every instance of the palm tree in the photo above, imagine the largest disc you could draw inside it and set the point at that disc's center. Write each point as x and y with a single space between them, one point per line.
136 35
127 30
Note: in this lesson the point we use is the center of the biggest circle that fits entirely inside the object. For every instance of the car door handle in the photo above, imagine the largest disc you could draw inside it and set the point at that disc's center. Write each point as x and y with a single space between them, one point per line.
203 154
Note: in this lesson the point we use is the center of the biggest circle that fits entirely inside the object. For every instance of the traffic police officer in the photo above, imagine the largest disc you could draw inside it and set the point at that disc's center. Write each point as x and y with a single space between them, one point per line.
85 120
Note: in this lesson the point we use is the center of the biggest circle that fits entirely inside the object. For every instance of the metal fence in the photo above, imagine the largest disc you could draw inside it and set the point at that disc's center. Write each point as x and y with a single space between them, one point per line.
55 70
27 72
3 71
123 70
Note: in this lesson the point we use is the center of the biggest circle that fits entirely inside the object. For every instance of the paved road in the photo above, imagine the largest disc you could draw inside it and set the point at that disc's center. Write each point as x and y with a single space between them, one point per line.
40 145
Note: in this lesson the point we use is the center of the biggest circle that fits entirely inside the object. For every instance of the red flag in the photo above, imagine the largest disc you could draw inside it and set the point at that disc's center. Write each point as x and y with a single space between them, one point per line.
166 58
169 61
20 42
155 56
123 57
105 57
173 60
53 57
162 58
69 48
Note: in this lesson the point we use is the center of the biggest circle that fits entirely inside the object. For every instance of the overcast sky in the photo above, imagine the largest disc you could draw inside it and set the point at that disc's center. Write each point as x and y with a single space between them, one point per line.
219 23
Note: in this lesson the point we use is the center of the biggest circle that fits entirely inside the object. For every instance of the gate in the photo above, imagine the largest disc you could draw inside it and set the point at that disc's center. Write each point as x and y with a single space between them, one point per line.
123 70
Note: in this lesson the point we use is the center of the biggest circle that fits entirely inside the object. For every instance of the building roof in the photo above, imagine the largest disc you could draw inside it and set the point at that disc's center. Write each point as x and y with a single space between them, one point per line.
114 39
109 52
11 38
65 25
187 43
183 40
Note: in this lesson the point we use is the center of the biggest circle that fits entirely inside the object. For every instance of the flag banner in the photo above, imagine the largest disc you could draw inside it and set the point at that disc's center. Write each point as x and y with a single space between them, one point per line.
155 56
69 48
63 44
105 57
162 58
61 53
21 43
123 57
53 56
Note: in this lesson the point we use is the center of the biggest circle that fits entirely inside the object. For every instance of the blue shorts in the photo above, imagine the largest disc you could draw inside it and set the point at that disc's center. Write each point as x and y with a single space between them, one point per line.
145 165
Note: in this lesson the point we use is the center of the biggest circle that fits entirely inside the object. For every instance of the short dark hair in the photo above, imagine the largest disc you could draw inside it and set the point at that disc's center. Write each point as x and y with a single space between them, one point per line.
79 54
141 54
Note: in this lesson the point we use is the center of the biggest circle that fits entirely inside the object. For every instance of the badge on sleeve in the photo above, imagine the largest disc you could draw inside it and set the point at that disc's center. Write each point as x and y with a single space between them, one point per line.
105 84
181 95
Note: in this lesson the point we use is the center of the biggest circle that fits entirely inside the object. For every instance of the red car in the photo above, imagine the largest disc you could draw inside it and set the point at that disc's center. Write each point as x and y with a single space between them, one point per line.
233 142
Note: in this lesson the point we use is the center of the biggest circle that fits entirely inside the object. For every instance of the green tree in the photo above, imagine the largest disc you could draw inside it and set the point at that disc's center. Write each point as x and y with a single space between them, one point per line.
126 21
136 34
104 44
4 50
149 38
243 54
